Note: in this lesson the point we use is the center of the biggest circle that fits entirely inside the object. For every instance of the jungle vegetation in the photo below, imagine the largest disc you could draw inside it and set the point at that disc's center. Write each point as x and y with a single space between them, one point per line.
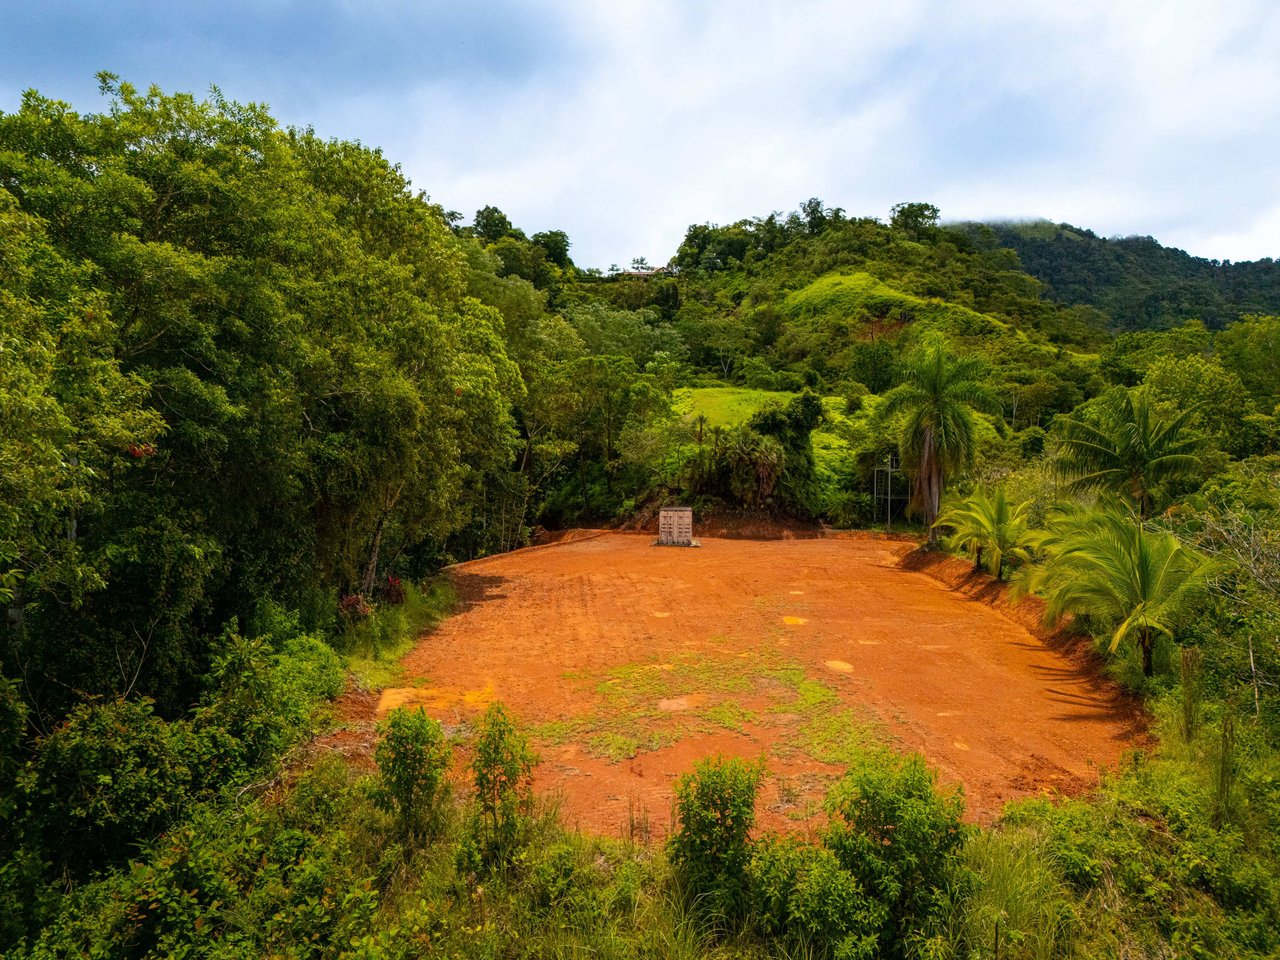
255 389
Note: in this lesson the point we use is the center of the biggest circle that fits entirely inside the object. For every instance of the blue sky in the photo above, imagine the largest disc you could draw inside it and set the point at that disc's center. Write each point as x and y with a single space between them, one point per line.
622 123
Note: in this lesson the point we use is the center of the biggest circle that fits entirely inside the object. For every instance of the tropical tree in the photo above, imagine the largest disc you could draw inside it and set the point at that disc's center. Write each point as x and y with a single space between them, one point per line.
756 465
988 523
1130 449
936 398
1108 565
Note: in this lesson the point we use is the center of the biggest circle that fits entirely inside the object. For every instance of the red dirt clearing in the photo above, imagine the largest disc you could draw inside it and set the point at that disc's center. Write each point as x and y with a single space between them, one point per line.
629 662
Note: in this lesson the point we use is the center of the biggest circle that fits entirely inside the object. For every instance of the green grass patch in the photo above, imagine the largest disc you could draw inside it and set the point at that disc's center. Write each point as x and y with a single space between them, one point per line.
730 715
725 406
630 718
375 644
616 747
855 297
814 695
838 737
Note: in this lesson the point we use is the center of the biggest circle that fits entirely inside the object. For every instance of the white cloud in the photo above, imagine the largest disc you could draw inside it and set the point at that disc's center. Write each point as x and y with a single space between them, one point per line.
1154 118
1256 236
622 123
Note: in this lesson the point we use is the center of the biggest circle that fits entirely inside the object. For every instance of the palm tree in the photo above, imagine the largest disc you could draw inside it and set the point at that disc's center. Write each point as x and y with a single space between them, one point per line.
937 395
1130 449
756 465
988 523
1108 565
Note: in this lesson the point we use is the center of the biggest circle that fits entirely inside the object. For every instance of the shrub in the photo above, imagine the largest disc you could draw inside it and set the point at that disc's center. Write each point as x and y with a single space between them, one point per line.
716 806
801 894
109 777
306 671
898 835
258 702
391 590
503 773
560 882
849 508
253 879
853 394
413 758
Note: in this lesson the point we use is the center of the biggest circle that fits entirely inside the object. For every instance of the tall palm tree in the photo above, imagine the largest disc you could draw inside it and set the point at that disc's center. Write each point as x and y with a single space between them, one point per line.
1108 565
937 395
1129 450
987 523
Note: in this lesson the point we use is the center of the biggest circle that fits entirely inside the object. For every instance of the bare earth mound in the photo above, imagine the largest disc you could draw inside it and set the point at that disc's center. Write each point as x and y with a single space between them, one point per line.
628 662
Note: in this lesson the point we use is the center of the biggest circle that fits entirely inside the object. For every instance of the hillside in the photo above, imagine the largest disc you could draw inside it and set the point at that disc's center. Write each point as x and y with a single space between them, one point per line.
1138 283
269 416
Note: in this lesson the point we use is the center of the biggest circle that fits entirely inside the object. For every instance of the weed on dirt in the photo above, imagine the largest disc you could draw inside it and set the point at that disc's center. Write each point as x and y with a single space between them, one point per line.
643 707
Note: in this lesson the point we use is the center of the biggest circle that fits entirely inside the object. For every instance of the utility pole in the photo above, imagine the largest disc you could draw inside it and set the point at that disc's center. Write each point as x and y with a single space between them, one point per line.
888 510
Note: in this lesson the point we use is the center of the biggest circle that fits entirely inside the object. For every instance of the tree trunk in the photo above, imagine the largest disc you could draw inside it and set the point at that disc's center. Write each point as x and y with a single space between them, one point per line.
1148 668
371 570
930 487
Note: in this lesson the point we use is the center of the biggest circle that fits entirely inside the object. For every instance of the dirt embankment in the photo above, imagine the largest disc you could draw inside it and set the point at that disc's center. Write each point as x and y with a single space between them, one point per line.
628 663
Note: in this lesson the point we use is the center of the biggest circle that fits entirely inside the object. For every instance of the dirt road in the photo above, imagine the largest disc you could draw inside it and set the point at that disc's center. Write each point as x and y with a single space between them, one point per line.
629 661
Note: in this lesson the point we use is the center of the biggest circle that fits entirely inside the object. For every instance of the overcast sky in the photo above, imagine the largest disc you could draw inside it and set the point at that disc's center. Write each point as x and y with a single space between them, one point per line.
622 123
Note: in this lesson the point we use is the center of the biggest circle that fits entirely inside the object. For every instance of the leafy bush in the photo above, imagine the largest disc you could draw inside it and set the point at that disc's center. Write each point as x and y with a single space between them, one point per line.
111 775
250 880
852 393
503 775
899 836
850 508
560 881
259 702
801 894
716 807
413 759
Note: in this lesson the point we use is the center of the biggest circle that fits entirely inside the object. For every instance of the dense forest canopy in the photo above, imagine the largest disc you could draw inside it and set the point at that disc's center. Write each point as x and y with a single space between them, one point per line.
256 390
1138 283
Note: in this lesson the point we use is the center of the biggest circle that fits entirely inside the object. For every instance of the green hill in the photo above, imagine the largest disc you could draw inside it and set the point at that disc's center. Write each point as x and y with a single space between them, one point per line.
1139 283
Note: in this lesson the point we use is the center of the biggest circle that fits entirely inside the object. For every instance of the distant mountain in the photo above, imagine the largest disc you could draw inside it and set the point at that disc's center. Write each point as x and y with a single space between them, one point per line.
1136 281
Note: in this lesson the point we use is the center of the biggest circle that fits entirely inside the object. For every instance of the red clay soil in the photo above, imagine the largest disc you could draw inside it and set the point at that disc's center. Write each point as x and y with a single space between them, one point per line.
934 657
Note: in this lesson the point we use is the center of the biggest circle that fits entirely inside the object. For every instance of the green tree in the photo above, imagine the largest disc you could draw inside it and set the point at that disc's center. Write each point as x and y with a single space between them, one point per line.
1249 347
936 401
502 769
245 364
1219 398
72 423
914 219
555 243
792 426
413 759
1128 448
491 224
1107 565
986 522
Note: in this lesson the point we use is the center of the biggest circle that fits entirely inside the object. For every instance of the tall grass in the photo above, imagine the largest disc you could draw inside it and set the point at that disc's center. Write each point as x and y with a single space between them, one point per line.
1225 798
1189 700
1016 906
